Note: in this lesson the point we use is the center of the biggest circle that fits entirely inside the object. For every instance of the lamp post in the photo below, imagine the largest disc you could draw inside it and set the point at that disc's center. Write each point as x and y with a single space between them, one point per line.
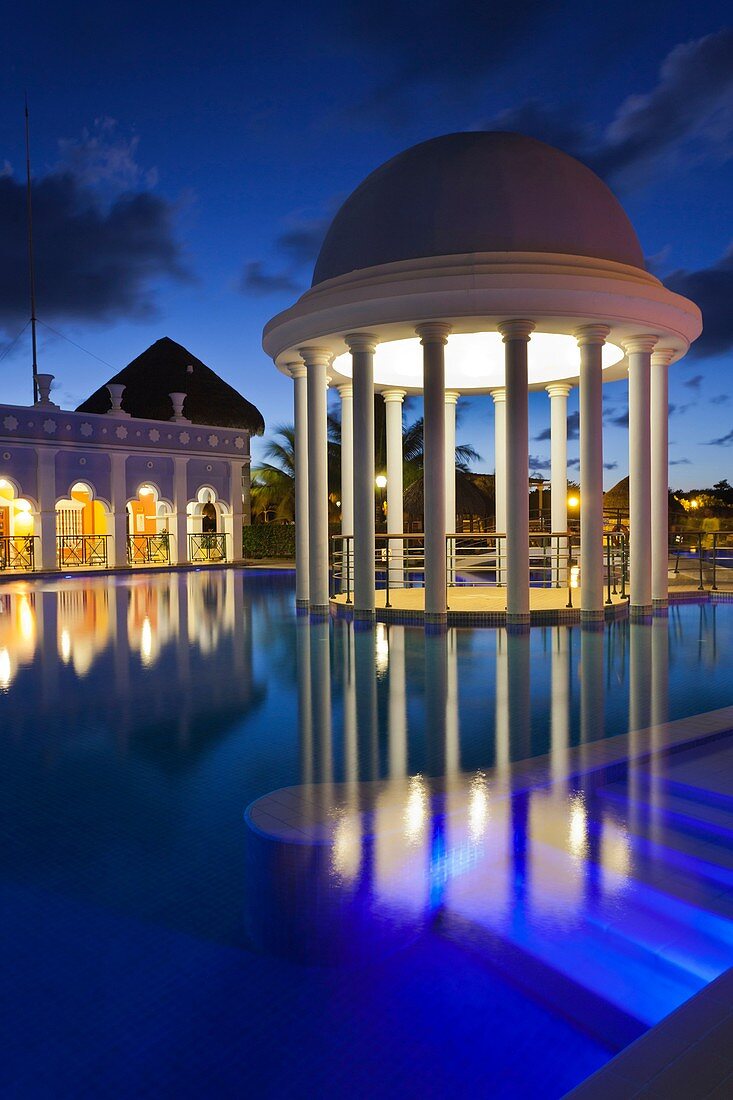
381 483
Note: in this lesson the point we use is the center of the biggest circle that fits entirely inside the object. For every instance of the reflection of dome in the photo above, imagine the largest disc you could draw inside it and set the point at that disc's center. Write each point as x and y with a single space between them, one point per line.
477 192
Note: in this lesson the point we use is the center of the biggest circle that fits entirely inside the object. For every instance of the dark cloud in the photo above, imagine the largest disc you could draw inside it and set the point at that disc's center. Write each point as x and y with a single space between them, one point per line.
97 257
573 462
257 280
720 399
687 114
722 441
573 429
694 383
711 288
537 462
295 251
620 420
610 465
680 462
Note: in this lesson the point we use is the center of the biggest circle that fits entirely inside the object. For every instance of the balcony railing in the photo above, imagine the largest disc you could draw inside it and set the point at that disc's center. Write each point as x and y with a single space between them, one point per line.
479 560
76 551
18 552
149 549
209 547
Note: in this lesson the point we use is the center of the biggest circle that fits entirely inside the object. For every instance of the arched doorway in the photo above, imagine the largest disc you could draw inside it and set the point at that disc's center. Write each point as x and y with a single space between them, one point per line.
148 540
17 528
82 528
206 534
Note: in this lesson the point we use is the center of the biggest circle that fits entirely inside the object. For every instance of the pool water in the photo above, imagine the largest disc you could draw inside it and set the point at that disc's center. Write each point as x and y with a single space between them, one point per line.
423 925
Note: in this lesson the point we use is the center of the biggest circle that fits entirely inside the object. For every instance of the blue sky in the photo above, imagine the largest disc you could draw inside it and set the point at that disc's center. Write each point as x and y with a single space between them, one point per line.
186 162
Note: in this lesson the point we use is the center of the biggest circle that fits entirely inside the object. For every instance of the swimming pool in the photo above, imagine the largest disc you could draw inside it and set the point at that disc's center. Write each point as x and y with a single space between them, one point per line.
418 938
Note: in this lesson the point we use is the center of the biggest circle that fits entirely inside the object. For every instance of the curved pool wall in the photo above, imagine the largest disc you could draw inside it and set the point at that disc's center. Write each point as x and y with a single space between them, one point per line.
141 716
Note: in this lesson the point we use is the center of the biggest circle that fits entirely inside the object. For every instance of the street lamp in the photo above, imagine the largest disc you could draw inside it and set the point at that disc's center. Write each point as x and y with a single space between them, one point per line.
381 483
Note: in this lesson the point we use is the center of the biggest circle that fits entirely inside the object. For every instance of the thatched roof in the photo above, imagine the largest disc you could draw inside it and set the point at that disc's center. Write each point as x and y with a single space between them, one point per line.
471 500
618 496
164 369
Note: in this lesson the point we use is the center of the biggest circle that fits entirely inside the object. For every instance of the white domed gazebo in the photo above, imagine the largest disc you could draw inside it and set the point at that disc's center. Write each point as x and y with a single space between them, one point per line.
481 263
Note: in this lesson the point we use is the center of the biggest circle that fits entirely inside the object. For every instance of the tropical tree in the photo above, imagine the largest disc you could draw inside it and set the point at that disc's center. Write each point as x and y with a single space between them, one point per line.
273 483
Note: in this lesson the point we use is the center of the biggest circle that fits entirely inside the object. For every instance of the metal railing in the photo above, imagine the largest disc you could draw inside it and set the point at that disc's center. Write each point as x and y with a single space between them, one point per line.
209 547
18 552
75 551
479 559
709 553
149 549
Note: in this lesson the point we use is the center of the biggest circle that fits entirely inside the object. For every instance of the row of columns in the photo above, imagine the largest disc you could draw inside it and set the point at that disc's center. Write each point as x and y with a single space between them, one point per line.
648 476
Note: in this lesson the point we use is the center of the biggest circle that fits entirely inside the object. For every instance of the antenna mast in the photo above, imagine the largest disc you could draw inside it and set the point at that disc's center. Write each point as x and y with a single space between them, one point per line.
31 265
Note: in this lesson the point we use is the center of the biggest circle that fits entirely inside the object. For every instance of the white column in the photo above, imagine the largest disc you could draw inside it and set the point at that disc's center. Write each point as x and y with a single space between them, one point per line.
235 476
516 334
591 339
317 360
180 505
639 351
346 393
362 346
451 401
395 511
300 398
118 486
558 392
499 399
661 358
47 506
433 337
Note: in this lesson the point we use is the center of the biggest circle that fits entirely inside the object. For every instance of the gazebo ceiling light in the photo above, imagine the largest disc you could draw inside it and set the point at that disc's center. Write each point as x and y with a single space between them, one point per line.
475 361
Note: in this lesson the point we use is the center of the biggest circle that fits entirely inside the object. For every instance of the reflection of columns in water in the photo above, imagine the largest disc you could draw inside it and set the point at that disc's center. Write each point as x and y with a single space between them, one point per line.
46 614
519 712
659 707
305 717
351 750
366 696
397 722
179 586
320 645
502 754
640 676
436 698
592 693
560 703
120 641
452 724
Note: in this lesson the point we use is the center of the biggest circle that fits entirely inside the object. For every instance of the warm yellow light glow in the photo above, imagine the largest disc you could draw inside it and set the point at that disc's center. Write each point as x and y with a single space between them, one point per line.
65 646
145 490
573 501
346 845
146 642
381 481
694 504
6 671
478 807
475 360
26 618
574 576
416 809
615 854
4 484
578 827
381 645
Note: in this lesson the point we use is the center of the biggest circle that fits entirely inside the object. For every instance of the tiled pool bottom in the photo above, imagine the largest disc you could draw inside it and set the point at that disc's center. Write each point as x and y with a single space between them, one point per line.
140 718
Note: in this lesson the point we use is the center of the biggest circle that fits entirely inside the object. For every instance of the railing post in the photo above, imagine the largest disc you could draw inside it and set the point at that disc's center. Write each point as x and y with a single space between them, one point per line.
608 569
715 548
701 586
570 572
386 597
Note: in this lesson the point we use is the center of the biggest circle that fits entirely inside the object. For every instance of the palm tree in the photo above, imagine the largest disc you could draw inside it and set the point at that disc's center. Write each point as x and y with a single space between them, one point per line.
273 483
413 449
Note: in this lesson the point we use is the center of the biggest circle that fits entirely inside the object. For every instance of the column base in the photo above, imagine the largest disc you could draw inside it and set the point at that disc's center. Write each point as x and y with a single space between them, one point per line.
319 610
659 602
592 615
517 618
365 614
302 603
436 618
640 611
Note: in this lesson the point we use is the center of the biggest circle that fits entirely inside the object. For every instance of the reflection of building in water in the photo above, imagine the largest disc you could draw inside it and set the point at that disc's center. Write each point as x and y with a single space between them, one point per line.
176 648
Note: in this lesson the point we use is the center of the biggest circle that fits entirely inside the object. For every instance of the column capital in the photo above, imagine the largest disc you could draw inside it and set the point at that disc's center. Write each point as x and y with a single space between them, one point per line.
296 368
662 357
434 332
394 396
559 389
498 394
644 342
316 356
346 390
516 329
591 334
451 397
361 341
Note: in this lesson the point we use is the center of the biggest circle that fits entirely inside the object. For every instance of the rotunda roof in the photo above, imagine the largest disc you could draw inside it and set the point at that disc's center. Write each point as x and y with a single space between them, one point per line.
477 192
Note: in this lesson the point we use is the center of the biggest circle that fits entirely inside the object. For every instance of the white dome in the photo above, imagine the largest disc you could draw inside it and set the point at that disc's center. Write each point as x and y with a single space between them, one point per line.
476 193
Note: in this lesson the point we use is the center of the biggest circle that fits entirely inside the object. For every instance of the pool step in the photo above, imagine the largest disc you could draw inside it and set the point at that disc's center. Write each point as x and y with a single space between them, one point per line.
691 825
